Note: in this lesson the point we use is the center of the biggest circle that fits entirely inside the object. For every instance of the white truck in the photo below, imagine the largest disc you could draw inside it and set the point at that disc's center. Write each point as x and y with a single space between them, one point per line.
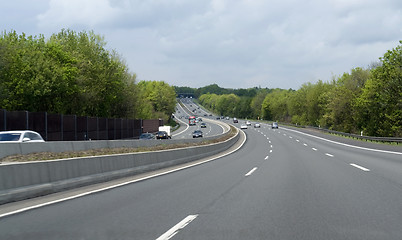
167 130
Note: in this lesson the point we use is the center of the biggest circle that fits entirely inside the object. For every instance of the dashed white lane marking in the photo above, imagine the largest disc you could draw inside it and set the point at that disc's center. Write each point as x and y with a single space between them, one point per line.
360 167
250 172
266 158
329 155
297 140
305 144
271 146
315 149
174 230
290 137
344 144
270 150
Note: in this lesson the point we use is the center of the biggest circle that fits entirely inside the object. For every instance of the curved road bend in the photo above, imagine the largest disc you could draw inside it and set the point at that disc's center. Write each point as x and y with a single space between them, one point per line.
280 185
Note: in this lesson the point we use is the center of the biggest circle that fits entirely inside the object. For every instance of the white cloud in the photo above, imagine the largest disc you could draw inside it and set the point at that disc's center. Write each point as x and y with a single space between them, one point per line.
234 43
70 13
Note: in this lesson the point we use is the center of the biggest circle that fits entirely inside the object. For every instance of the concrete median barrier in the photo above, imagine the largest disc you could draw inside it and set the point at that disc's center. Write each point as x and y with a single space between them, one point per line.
8 149
20 181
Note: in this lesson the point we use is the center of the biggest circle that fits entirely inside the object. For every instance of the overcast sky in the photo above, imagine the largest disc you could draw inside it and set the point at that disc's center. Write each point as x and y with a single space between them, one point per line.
233 43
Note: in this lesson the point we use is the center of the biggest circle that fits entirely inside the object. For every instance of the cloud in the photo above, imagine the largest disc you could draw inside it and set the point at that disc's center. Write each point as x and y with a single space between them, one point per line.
237 43
65 14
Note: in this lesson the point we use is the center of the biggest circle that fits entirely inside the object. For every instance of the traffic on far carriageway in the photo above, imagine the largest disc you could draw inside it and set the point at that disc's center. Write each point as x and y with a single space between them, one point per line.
212 132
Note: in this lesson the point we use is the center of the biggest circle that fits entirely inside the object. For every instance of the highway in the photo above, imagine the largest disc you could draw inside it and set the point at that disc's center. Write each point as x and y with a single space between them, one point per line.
213 127
281 184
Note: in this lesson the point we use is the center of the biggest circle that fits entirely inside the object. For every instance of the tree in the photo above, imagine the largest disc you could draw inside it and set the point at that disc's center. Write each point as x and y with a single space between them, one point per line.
340 110
213 88
157 99
227 104
380 104
275 105
256 103
71 73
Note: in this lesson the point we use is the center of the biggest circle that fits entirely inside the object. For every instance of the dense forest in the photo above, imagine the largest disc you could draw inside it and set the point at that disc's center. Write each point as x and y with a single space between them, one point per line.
368 100
74 73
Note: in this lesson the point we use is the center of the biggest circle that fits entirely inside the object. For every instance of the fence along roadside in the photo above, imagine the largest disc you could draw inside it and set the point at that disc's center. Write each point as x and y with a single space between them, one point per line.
59 127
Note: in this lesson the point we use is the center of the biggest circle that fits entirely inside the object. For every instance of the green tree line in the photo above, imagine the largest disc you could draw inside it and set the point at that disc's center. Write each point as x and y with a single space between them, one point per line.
214 88
74 73
368 100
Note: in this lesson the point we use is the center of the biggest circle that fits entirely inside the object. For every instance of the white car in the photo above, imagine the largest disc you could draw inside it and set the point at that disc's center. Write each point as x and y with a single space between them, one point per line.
257 125
243 126
248 123
20 136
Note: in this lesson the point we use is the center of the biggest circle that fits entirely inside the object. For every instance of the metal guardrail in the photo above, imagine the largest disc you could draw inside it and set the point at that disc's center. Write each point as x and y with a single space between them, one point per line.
366 138
396 140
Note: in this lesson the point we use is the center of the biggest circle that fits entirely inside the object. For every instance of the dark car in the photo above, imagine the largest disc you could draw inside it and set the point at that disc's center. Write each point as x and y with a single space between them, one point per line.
197 134
162 135
274 125
203 125
235 120
146 136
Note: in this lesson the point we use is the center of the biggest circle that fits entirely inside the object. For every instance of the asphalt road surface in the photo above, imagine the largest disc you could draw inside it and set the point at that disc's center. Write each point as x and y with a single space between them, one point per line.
213 127
282 184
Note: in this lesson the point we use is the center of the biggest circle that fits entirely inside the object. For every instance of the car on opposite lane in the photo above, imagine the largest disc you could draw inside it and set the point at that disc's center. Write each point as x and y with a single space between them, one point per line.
197 134
162 135
146 136
20 136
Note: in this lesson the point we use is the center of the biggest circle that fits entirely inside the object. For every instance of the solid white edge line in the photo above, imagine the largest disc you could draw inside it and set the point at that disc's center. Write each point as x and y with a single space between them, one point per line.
344 144
122 184
182 122
176 228
251 172
360 167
